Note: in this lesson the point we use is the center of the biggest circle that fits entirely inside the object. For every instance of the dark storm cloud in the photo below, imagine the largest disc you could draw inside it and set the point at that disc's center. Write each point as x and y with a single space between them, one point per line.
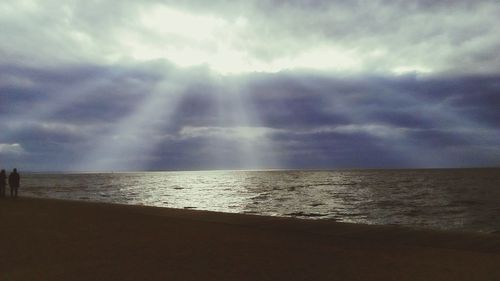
400 118
308 116
78 93
385 113
312 119
285 101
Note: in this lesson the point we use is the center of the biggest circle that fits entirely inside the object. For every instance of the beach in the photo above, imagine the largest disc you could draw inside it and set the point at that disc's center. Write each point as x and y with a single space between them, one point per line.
44 239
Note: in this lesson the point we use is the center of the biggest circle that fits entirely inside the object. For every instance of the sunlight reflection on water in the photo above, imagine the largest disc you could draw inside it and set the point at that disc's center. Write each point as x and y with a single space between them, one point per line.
467 199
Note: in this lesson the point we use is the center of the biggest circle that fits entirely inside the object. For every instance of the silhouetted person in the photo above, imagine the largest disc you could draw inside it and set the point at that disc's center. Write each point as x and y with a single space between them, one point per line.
14 180
3 183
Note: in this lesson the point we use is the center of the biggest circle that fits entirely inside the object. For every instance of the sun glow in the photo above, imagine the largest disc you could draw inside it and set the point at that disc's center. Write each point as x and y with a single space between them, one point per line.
189 40
185 39
166 21
418 69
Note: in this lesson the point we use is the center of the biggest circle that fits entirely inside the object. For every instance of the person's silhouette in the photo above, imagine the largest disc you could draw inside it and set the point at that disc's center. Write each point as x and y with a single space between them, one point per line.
3 183
14 180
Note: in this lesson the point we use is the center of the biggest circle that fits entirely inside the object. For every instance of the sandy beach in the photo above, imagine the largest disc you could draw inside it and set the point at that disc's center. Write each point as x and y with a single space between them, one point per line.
65 240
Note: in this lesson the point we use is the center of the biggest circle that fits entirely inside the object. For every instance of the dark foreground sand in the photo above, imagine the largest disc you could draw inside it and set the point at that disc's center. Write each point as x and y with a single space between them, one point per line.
62 240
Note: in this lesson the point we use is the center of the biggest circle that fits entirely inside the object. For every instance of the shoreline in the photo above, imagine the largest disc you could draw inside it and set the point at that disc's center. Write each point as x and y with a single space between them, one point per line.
305 218
53 239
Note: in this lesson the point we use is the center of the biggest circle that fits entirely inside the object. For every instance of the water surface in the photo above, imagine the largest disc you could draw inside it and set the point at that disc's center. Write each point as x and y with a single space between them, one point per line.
458 199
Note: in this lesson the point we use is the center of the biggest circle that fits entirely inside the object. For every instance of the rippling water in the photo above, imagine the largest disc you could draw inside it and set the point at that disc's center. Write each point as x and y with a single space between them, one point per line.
459 199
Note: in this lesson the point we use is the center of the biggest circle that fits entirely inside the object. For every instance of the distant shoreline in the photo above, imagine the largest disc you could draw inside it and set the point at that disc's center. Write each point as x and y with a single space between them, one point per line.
260 170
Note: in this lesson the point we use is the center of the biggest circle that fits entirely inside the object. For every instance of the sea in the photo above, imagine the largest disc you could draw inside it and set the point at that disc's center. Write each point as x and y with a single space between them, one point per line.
445 199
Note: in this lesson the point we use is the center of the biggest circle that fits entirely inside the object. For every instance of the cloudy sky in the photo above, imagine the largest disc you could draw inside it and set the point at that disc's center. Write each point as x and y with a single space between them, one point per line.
187 85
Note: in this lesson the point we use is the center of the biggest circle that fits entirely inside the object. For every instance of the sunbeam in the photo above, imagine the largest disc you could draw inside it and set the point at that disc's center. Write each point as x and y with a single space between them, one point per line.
243 126
176 85
63 95
130 143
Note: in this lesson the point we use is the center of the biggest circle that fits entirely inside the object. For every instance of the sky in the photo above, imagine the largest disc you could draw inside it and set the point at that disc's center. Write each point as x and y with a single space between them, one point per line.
248 84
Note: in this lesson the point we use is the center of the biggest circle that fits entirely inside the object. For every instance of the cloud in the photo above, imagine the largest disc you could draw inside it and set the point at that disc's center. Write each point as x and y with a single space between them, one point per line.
14 148
244 84
304 119
238 36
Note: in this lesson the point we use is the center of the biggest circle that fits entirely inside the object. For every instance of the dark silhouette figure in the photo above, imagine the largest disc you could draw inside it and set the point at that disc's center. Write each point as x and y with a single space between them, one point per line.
14 180
3 183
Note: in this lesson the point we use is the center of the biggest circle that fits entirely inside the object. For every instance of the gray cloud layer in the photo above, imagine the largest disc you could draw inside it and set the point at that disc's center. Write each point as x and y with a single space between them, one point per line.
382 36
290 119
417 85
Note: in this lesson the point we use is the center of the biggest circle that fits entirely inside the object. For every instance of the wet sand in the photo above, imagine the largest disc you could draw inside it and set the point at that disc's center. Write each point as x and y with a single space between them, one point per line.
66 240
